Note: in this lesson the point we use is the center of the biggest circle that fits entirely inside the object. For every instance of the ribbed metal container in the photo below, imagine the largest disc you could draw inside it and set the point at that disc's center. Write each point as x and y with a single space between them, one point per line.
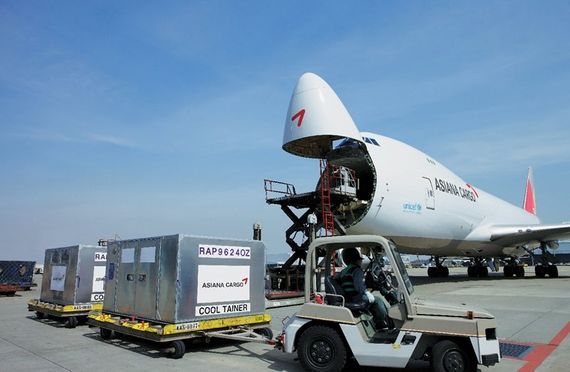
181 278
74 275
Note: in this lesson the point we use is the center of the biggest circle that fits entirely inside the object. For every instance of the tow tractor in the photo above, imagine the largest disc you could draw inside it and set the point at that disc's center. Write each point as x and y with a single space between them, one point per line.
328 331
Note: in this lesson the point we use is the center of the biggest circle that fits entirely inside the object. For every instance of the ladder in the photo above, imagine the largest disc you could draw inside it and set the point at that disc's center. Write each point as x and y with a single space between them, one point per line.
328 217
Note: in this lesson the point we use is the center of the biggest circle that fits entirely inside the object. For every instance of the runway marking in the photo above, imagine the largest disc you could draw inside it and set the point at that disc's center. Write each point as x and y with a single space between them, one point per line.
541 352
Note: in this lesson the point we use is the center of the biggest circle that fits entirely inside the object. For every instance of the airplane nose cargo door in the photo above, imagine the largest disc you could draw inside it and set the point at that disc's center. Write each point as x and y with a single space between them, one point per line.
315 118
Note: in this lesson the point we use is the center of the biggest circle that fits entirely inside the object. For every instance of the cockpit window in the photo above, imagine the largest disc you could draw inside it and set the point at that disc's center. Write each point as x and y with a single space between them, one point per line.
371 141
348 142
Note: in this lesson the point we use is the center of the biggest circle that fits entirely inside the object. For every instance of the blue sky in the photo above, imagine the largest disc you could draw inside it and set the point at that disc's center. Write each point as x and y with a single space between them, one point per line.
132 119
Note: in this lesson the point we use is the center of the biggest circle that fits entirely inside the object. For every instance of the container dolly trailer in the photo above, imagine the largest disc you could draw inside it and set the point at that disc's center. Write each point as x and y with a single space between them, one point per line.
327 330
73 314
251 328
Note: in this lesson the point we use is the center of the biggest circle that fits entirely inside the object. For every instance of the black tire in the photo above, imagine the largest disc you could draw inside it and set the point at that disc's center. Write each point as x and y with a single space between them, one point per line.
106 334
322 349
482 271
471 271
71 322
179 349
540 271
432 272
444 272
509 271
553 271
82 320
447 356
265 332
39 315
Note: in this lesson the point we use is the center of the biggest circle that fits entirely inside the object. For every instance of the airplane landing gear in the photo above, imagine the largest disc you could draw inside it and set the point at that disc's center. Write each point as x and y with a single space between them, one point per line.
438 271
477 269
545 267
513 267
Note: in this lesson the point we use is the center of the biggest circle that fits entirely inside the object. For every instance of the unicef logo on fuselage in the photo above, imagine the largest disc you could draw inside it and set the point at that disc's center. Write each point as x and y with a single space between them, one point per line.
412 208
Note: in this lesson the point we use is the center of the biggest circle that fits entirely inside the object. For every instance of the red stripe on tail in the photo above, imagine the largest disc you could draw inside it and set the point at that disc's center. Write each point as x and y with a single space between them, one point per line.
529 203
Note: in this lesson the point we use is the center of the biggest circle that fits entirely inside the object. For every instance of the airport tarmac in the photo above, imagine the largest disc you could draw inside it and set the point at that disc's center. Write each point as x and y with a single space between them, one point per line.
533 317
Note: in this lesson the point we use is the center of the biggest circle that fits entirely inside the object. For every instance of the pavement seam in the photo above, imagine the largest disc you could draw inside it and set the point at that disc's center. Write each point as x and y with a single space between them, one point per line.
529 324
31 352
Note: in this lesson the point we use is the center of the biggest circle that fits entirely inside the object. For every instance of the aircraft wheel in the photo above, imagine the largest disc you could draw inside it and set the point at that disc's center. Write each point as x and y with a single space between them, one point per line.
39 315
71 322
519 271
432 272
553 271
448 356
540 271
322 349
179 349
509 271
444 272
471 271
482 271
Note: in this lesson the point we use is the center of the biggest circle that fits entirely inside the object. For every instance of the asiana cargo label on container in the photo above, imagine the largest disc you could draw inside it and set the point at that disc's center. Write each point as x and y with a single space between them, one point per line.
223 251
222 283
98 287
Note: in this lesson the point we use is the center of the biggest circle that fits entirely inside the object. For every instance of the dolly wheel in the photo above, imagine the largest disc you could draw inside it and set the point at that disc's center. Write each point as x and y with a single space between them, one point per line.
71 322
39 315
265 332
322 349
106 334
179 349
447 356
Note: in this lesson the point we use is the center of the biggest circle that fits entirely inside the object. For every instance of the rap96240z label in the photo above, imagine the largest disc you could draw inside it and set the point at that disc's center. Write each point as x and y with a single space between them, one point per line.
224 251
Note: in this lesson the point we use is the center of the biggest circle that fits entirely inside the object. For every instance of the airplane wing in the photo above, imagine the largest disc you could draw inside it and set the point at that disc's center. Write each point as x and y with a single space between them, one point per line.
513 235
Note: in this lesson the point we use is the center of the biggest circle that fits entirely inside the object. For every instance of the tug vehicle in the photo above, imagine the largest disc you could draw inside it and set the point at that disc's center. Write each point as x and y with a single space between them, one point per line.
328 330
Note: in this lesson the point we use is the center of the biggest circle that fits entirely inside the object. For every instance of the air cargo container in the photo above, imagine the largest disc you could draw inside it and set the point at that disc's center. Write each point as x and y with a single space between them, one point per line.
73 283
182 278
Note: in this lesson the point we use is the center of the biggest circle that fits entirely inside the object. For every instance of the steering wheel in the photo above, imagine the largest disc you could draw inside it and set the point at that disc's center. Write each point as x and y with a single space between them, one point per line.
380 279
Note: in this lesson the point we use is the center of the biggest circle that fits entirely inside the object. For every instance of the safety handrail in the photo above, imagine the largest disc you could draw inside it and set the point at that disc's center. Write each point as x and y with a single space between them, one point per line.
278 187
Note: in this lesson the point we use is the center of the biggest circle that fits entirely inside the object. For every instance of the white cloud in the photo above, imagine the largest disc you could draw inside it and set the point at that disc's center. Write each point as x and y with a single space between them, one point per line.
112 140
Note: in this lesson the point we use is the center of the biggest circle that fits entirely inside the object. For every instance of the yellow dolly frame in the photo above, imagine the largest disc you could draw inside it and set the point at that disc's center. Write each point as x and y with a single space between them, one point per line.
73 314
253 328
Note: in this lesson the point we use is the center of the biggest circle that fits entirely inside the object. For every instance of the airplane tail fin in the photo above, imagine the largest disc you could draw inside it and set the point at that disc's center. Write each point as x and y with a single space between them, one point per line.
529 202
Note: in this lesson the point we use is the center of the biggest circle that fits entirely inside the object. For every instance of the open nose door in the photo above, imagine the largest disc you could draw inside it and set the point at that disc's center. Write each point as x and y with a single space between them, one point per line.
315 118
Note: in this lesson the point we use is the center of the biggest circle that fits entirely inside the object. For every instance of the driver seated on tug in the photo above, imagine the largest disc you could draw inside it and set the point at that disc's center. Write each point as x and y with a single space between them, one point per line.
351 280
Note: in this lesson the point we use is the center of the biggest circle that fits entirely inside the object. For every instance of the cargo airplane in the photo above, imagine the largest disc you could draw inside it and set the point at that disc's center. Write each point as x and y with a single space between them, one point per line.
411 198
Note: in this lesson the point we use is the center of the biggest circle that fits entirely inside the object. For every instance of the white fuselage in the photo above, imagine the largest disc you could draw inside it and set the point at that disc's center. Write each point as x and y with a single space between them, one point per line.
427 209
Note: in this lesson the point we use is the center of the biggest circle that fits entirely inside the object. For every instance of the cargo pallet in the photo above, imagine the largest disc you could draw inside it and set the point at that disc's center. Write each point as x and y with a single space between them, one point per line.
73 314
251 328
